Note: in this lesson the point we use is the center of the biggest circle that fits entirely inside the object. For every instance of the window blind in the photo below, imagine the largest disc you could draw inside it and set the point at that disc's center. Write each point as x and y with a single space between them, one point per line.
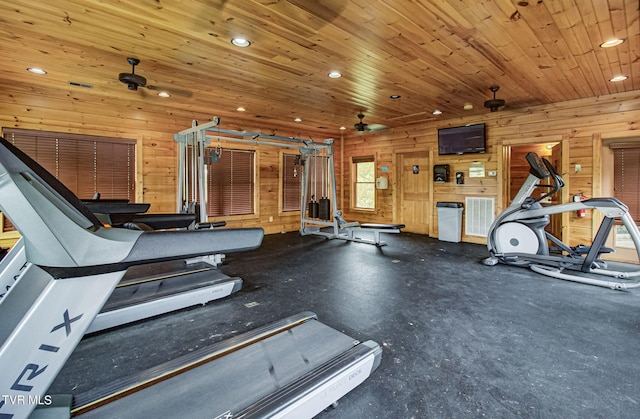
231 183
626 178
291 176
84 164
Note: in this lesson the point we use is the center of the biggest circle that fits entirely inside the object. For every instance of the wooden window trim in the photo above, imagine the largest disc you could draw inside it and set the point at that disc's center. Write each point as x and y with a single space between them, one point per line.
354 182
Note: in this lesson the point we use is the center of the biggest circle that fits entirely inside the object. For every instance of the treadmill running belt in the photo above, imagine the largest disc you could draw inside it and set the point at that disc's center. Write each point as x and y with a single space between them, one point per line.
135 294
229 384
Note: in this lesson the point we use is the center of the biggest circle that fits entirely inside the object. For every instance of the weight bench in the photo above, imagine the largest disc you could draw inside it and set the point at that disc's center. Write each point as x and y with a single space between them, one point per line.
376 229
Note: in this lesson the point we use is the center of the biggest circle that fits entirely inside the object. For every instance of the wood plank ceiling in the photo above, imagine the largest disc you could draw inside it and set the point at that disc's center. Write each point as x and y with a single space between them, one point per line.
433 54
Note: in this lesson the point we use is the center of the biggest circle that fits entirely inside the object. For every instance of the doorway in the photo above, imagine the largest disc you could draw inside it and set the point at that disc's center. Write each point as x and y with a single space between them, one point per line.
412 200
519 171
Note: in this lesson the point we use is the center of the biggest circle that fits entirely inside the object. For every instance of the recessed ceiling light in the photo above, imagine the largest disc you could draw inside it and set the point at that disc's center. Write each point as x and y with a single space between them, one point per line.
437 112
240 109
334 75
298 119
240 42
618 78
611 43
395 96
164 94
36 70
467 106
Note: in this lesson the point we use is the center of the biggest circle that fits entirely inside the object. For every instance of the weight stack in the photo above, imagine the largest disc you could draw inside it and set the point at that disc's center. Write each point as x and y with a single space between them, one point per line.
324 209
313 209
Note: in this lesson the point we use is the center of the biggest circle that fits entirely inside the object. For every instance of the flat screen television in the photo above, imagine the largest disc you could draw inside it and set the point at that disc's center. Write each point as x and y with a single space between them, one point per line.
462 140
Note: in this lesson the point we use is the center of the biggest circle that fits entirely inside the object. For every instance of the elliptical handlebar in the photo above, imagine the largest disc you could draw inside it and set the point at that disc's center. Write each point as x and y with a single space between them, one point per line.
557 184
541 168
557 179
537 167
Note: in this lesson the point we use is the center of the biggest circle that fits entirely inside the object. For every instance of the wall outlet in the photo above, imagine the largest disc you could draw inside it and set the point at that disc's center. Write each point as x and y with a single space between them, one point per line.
271 218
493 173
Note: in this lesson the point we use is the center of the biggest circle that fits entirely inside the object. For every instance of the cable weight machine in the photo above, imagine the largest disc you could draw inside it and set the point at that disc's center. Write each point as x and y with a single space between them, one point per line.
192 175
322 187
314 157
319 217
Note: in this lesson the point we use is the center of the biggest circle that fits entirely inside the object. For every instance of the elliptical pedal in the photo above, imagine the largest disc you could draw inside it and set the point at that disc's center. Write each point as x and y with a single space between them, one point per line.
582 249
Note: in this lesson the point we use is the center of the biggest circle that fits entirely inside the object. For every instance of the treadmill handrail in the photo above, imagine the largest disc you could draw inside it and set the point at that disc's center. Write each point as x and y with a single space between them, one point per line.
62 234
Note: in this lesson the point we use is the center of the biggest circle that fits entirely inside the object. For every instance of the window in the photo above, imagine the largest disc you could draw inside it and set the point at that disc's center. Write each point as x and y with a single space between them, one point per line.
364 190
626 183
291 175
626 176
84 164
231 183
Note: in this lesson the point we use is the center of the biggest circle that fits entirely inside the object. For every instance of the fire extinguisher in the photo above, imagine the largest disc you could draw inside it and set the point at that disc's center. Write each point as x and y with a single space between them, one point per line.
581 213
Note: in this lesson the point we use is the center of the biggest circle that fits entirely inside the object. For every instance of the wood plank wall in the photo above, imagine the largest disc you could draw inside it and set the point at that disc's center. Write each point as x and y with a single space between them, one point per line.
580 126
153 128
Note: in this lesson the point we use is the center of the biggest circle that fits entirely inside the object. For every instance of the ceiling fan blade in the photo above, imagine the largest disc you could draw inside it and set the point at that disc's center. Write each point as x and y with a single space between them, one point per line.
171 90
376 127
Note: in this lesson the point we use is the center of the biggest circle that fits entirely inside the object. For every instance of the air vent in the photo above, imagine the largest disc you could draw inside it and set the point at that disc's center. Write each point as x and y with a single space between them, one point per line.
85 85
479 215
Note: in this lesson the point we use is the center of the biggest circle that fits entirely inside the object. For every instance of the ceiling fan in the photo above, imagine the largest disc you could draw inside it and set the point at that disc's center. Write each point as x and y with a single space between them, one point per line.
362 127
135 81
494 104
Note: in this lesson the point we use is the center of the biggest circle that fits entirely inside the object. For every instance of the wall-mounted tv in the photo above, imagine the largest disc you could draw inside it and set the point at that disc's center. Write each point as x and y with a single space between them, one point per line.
462 140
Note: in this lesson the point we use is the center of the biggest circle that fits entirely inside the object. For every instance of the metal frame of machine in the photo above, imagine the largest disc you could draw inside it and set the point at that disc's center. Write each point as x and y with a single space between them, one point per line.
193 142
517 235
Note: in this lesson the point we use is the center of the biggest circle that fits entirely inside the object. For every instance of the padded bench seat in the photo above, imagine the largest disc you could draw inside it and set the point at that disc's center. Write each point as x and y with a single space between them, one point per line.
374 228
382 226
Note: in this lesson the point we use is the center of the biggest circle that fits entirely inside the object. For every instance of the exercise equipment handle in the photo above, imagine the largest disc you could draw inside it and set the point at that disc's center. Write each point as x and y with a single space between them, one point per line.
538 168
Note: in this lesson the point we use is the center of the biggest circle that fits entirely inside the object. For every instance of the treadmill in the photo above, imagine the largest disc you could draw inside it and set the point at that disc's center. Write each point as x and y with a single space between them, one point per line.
294 368
145 290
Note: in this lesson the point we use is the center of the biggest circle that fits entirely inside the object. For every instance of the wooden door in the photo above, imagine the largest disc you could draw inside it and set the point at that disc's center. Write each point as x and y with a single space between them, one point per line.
414 210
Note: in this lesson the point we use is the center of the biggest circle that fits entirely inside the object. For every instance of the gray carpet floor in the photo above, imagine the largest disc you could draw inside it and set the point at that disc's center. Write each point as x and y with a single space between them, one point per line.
459 339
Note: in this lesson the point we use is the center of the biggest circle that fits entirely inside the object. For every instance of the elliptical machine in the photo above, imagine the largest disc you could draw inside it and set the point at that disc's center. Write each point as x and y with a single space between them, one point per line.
518 237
